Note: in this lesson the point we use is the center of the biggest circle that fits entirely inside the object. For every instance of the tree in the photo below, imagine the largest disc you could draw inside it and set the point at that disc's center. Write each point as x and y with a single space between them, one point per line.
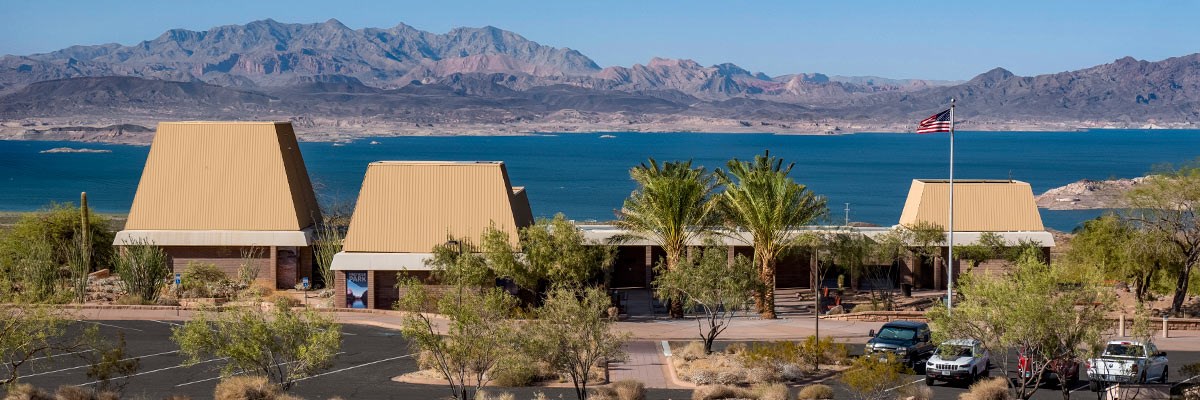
1166 203
479 332
283 345
761 198
1048 312
327 243
719 287
144 269
1123 252
573 334
990 245
550 251
672 205
33 332
57 223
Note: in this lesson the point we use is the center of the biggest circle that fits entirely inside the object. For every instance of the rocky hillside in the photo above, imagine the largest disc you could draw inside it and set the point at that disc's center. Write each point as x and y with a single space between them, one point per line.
401 77
1087 194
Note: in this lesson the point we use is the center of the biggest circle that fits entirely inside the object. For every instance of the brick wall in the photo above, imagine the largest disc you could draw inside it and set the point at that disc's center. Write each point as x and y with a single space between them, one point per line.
228 259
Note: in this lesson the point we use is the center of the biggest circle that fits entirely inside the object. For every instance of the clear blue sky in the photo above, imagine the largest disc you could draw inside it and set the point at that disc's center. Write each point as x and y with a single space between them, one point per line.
898 39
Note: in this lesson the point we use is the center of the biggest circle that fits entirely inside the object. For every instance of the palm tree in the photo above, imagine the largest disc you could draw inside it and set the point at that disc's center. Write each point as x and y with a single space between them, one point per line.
672 205
763 200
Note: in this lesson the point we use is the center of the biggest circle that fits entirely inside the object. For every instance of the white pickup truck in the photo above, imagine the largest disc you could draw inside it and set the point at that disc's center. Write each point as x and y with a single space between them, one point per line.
1127 362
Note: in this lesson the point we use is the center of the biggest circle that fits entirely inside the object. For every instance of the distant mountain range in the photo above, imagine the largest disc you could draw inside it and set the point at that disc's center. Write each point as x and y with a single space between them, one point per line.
402 79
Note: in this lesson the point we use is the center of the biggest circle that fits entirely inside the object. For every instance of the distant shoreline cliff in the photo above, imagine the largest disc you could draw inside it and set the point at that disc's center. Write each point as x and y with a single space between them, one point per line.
1087 194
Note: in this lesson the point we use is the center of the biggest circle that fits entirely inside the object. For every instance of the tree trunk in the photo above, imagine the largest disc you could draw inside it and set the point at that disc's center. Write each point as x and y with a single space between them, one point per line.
674 306
767 275
1181 288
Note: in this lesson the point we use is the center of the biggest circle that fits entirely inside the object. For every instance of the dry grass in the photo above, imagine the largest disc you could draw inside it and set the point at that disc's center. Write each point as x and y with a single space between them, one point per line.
693 350
484 395
78 393
26 391
770 391
249 388
717 392
991 389
620 390
815 392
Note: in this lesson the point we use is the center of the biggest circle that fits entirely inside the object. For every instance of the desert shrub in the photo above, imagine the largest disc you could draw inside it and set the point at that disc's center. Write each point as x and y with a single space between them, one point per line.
870 378
620 390
814 352
770 391
815 392
143 269
201 279
717 392
791 372
77 393
869 307
691 351
990 389
281 298
735 348
130 300
764 375
916 392
484 395
425 360
515 371
1190 370
26 391
249 388
256 291
630 390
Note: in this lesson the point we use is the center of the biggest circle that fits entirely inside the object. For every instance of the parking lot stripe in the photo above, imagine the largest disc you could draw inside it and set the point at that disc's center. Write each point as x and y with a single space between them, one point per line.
165 322
114 326
85 366
63 354
159 370
357 366
906 384
239 373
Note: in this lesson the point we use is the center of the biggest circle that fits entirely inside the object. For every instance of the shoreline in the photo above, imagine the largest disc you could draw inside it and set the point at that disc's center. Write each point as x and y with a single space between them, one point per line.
308 134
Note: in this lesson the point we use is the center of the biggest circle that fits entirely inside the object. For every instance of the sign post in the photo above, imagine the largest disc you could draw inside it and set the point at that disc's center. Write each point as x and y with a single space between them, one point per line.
304 284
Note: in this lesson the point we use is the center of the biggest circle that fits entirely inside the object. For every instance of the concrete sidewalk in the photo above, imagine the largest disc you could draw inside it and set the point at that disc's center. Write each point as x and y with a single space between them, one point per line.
646 364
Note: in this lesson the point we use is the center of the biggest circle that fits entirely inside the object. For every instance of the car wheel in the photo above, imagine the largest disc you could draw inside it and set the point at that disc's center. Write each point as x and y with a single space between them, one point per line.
929 381
1094 386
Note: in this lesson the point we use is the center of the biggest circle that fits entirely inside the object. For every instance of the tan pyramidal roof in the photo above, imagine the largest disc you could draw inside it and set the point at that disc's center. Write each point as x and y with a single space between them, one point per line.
411 206
240 176
979 205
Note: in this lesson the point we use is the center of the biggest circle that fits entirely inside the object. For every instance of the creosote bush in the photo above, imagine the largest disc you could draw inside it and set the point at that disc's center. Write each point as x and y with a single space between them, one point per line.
815 392
990 389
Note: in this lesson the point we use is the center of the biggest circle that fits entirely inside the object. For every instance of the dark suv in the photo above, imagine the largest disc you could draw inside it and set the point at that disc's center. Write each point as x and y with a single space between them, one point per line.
909 341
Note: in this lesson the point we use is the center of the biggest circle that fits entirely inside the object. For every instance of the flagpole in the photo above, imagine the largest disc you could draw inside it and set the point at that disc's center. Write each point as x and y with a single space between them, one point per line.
950 259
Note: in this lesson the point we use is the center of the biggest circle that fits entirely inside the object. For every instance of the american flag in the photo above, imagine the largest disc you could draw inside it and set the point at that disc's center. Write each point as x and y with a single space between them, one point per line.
939 122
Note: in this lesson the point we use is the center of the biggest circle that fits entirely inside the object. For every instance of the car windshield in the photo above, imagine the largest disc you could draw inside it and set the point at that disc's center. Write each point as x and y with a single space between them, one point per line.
954 351
1127 350
891 332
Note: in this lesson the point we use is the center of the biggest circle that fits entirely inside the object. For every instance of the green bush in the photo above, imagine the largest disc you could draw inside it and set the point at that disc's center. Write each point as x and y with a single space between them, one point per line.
515 371
201 278
815 392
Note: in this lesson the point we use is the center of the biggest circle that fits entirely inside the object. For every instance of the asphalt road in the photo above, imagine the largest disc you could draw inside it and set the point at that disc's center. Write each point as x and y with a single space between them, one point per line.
369 358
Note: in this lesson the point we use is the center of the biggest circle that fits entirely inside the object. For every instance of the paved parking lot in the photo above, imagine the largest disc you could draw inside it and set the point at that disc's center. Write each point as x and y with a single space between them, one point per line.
370 356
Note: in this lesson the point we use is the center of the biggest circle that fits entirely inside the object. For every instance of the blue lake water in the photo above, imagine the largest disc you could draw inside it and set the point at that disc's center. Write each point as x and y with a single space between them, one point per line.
586 177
